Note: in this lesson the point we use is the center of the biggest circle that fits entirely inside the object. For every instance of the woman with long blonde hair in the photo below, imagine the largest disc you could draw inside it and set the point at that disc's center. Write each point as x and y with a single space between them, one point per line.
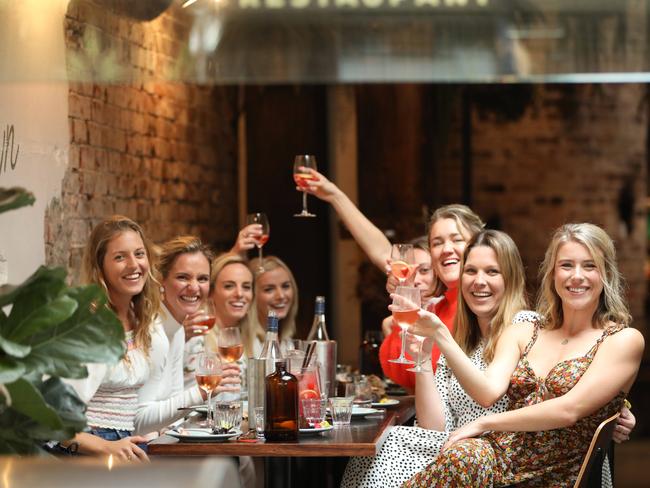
276 290
564 374
118 257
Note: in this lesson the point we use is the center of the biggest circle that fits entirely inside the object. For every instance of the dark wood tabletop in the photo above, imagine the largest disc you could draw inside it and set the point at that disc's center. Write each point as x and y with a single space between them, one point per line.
363 437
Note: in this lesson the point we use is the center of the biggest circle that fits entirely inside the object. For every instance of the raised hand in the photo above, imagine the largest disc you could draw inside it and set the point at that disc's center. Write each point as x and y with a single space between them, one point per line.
247 238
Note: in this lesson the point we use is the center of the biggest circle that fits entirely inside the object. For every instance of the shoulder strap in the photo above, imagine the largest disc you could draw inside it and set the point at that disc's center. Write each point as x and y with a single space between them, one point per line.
532 340
607 332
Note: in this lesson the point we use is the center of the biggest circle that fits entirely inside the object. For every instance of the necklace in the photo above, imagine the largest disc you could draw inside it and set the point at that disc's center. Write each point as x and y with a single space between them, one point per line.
565 342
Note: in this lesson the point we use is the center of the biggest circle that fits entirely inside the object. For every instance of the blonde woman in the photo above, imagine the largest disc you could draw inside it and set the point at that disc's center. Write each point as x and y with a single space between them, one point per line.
275 289
118 258
564 375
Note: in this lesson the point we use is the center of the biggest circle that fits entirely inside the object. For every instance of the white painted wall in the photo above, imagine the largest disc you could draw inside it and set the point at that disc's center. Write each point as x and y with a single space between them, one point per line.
32 55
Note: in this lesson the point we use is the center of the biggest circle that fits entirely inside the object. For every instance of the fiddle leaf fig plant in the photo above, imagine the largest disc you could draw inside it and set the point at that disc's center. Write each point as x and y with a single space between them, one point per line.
48 330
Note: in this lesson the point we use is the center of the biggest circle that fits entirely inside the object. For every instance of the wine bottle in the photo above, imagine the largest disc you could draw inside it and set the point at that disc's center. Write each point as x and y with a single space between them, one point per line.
318 330
281 397
271 348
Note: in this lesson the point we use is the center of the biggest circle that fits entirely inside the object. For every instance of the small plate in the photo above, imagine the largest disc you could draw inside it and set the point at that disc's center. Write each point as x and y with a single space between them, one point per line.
314 430
387 403
202 435
363 411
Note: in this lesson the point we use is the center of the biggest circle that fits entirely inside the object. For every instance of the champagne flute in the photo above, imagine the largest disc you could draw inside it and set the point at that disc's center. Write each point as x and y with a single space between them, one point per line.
302 179
208 376
402 261
230 346
406 302
261 219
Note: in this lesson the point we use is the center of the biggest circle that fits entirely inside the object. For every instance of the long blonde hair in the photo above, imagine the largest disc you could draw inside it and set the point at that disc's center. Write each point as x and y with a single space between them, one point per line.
145 305
247 333
466 329
465 219
611 305
287 326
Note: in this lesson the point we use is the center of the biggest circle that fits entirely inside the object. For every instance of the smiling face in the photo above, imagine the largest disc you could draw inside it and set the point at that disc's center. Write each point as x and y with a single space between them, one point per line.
482 283
125 266
232 294
187 284
577 279
275 292
448 243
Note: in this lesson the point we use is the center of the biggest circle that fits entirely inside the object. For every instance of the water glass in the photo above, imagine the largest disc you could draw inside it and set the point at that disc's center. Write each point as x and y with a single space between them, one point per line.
341 410
259 421
227 415
313 409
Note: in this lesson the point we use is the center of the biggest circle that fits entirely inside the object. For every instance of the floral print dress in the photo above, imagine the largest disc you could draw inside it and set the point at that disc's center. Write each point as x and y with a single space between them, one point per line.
533 459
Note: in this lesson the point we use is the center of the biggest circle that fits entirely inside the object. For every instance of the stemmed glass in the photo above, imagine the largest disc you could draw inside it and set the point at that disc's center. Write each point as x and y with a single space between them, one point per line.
406 302
230 346
402 261
261 219
207 314
302 179
208 376
419 361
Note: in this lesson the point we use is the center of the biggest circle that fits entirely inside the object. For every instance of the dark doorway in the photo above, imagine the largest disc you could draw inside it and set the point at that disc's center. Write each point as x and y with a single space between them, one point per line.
282 121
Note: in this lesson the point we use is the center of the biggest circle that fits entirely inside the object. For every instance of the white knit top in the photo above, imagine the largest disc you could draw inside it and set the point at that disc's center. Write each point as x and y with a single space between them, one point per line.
111 392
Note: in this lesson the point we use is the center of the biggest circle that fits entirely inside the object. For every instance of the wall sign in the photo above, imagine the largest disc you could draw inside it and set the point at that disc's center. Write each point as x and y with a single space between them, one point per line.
9 150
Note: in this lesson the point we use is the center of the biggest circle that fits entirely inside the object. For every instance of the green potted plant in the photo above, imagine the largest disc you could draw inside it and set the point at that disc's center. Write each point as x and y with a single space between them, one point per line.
48 330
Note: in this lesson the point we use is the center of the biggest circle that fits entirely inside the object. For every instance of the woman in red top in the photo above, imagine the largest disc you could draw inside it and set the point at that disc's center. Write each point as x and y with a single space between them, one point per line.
450 228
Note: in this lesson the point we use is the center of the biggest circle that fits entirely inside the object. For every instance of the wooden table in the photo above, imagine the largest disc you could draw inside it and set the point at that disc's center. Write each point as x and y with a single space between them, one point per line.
363 437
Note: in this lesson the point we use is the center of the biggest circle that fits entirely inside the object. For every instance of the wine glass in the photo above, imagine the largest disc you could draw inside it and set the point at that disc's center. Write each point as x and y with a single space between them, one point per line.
208 376
206 315
419 361
406 302
302 179
402 261
261 219
230 346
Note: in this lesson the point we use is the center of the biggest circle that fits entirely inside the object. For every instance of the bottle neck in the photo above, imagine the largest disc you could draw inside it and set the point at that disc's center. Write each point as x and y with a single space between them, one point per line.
271 335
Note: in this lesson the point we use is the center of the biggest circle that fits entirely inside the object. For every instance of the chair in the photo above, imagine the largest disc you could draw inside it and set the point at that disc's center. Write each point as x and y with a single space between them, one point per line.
596 454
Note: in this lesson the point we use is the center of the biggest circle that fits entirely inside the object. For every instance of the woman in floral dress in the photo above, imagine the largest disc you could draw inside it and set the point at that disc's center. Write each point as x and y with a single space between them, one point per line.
563 377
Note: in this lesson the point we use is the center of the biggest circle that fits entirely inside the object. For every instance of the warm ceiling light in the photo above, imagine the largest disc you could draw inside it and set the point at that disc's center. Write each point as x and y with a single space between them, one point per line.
188 3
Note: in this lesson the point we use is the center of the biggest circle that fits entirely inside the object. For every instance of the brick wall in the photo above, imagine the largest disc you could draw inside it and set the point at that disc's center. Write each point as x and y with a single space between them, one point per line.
567 153
163 154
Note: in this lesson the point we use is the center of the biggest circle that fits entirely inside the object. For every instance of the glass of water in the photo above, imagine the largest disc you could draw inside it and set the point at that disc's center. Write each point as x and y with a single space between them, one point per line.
227 415
259 421
341 410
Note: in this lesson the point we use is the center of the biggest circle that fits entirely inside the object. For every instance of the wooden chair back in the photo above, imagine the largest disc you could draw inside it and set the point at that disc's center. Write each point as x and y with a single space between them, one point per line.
597 450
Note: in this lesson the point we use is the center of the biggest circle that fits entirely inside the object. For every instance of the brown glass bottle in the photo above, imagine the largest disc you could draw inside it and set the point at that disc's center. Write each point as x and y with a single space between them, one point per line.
281 394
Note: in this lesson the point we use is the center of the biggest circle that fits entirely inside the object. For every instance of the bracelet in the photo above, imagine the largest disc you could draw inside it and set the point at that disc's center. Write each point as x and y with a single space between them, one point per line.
627 404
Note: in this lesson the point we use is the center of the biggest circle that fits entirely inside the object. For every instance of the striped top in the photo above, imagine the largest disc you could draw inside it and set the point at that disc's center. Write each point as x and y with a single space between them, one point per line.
115 401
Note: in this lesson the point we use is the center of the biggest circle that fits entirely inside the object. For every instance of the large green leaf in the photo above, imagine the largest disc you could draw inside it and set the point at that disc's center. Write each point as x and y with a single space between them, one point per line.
41 287
10 369
13 348
27 400
11 198
22 434
92 334
43 318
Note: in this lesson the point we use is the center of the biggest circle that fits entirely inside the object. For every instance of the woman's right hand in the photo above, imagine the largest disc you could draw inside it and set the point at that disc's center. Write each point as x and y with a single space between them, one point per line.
428 324
193 327
126 449
320 187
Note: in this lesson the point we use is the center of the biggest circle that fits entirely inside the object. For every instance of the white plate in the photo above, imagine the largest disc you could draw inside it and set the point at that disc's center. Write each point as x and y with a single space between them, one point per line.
363 411
387 403
316 431
202 435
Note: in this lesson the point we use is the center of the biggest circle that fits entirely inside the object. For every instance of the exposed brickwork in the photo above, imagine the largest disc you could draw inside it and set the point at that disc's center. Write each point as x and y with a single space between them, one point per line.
576 153
163 154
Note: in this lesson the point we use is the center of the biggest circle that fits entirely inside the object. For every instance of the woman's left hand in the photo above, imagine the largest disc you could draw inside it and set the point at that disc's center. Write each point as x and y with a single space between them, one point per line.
473 429
231 378
624 425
